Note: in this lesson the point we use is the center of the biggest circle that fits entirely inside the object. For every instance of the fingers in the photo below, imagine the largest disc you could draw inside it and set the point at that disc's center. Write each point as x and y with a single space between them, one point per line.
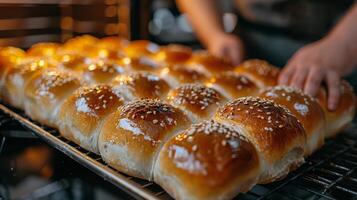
333 85
236 56
313 81
285 75
299 77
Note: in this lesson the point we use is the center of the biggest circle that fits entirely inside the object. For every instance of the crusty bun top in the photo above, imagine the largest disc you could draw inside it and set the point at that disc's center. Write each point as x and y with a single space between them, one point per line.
140 64
236 85
51 84
173 54
183 74
102 71
139 48
259 71
304 107
208 156
209 63
273 128
43 49
143 85
145 120
97 100
196 98
113 43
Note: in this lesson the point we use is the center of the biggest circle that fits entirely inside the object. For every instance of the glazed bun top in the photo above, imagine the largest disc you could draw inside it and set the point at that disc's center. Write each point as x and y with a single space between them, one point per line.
71 61
183 74
51 84
45 49
207 154
9 57
139 48
259 71
304 107
98 100
101 71
147 120
273 128
173 54
145 64
234 84
196 98
143 85
112 43
81 43
208 64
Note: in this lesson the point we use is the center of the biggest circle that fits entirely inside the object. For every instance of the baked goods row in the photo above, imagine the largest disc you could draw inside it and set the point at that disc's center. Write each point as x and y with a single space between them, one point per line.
196 125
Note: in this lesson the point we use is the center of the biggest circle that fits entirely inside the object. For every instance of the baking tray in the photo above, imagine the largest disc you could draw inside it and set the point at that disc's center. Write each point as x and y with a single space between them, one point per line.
330 173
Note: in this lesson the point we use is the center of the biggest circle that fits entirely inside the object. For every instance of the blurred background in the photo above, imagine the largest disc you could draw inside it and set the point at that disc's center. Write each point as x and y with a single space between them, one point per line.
25 22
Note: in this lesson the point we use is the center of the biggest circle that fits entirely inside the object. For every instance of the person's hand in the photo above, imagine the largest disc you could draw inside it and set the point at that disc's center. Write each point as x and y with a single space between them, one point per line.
323 61
227 46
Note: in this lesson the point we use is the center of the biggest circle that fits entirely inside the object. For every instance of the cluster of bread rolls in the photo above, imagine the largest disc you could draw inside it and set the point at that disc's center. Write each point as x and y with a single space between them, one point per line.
196 125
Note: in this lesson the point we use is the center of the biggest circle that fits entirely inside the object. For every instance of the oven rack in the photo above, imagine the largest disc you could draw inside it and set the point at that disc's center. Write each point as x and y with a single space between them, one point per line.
330 173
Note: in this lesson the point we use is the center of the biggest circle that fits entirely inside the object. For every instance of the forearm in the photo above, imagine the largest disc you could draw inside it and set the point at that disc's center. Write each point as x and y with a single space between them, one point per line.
345 33
204 16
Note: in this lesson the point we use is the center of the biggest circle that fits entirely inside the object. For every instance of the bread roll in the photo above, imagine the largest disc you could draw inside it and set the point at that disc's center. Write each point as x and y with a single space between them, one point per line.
82 115
274 131
132 136
81 44
45 93
260 72
113 43
173 54
233 86
306 109
207 161
176 75
17 78
140 48
338 119
9 57
144 64
208 64
72 62
199 102
101 71
45 49
141 85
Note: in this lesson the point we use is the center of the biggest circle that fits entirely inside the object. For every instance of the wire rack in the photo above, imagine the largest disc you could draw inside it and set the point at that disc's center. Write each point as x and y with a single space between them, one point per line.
330 173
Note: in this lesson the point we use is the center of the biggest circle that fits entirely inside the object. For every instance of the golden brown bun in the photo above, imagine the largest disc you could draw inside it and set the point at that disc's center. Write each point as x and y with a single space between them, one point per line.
72 62
207 161
82 115
113 43
101 71
306 109
208 64
173 54
199 102
9 57
81 43
17 78
233 86
45 49
139 48
260 72
338 119
144 64
45 93
176 75
141 85
132 136
275 132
